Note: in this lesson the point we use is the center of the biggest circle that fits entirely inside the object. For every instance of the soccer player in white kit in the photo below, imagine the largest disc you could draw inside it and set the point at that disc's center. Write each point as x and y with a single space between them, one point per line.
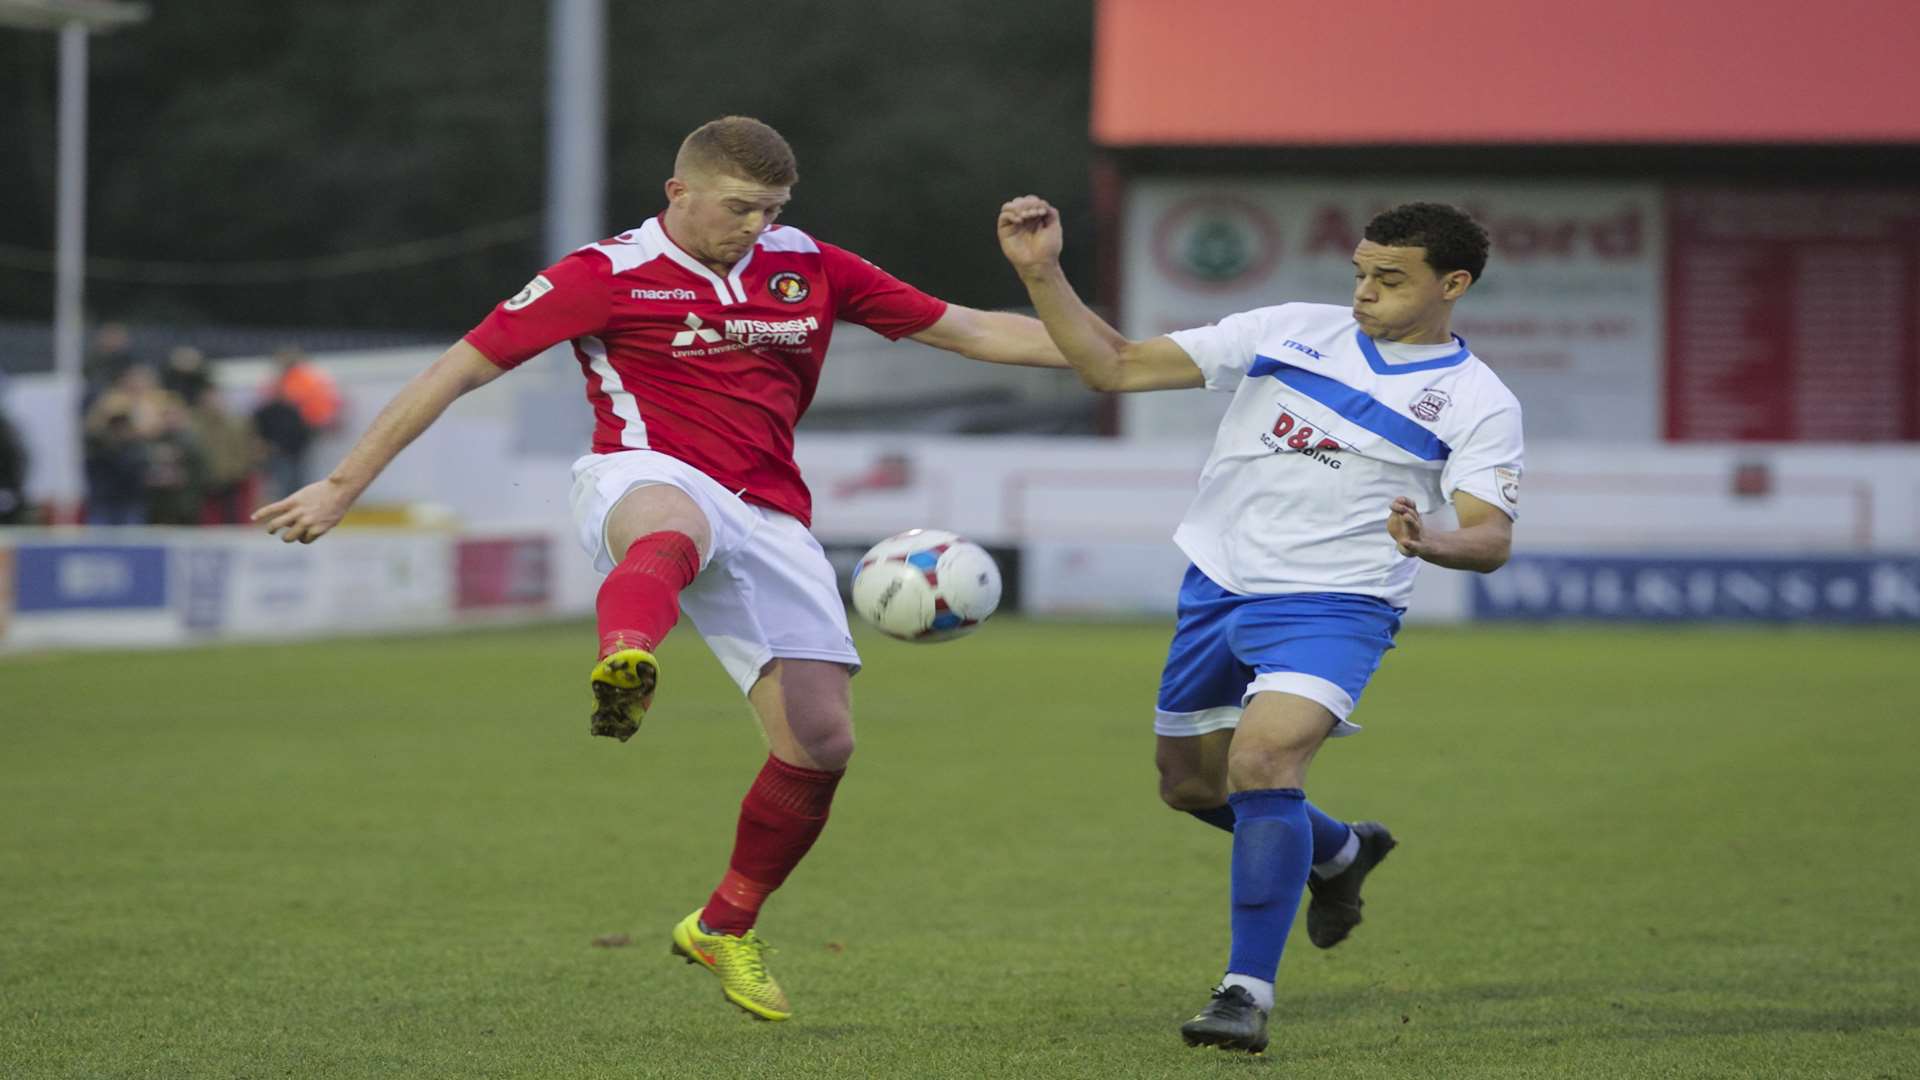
1347 426
701 335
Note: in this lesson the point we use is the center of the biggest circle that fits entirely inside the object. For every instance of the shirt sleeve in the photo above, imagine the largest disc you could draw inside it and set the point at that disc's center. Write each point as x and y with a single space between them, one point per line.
567 300
1224 351
865 294
1487 464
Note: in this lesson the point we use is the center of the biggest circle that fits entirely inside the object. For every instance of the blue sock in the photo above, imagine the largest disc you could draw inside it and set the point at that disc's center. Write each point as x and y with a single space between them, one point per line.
1272 854
1329 836
1220 817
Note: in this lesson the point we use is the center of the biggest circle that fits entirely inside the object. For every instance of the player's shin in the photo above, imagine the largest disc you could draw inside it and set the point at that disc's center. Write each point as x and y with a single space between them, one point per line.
1334 841
1220 817
640 600
1272 853
780 818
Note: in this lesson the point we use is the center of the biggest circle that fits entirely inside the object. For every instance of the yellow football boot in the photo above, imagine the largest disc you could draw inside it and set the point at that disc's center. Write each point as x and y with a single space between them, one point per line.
623 683
741 964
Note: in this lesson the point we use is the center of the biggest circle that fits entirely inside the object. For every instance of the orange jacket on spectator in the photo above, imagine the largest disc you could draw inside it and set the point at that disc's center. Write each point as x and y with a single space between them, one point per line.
312 391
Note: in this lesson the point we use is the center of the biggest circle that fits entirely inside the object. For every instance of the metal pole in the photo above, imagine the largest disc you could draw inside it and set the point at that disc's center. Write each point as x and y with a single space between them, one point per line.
576 125
70 241
70 235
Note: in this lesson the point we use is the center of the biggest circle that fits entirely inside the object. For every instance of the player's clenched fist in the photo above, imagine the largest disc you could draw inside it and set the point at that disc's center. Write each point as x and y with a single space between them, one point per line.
307 514
1030 234
1403 524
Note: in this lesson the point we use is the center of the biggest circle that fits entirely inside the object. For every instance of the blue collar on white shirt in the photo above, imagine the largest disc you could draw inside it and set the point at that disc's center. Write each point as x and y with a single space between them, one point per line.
1380 366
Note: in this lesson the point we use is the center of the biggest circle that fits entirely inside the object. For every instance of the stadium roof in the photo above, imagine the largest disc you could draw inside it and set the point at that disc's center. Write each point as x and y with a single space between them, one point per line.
95 15
1294 73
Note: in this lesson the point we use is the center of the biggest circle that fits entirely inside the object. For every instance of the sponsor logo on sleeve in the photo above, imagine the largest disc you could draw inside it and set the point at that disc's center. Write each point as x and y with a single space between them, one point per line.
788 287
533 290
1508 482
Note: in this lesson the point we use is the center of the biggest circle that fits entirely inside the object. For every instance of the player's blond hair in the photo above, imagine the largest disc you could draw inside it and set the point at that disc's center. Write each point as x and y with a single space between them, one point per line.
738 146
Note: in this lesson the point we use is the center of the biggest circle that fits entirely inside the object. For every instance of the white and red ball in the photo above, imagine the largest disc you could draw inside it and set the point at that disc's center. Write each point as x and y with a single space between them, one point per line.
926 585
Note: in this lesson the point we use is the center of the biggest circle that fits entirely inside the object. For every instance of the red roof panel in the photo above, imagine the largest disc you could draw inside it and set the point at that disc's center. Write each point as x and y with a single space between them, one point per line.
1286 72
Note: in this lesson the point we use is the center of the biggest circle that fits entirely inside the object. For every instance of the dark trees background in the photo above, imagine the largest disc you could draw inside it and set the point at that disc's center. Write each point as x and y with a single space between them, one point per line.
225 134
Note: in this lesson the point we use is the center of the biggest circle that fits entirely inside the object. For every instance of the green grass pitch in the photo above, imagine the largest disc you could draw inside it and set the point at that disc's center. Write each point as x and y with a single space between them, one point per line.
1625 853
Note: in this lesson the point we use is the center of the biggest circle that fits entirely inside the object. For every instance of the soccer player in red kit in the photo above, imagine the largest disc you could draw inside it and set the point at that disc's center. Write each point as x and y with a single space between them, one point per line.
701 334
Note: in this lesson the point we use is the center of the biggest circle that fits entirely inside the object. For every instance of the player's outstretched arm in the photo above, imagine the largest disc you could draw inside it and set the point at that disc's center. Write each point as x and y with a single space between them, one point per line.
997 337
1481 543
1105 359
307 514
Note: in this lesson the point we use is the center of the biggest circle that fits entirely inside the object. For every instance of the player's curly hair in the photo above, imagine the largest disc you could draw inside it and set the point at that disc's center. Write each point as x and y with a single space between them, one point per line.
1454 241
739 146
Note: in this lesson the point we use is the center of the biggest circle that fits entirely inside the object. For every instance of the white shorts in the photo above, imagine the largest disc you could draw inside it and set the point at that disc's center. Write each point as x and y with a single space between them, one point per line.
765 590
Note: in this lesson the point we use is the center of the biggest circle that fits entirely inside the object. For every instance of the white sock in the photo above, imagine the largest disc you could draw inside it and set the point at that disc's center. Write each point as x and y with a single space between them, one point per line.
1342 860
1261 989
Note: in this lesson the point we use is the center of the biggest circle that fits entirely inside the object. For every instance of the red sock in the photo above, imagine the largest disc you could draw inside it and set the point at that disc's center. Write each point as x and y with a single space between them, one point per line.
640 601
780 819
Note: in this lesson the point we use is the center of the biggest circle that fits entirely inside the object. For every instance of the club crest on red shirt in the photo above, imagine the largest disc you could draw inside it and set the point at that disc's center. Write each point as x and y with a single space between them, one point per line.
788 287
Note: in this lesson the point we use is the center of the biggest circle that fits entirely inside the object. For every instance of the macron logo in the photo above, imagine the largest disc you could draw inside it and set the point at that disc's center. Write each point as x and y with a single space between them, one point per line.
695 330
1292 344
665 294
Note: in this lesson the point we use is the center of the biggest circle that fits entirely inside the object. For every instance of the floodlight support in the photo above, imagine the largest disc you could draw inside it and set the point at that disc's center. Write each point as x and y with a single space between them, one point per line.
73 20
576 125
70 213
64 481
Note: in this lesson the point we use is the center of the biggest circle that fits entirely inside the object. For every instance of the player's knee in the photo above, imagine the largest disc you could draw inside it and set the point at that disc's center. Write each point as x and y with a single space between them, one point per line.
656 508
1268 765
829 745
1191 792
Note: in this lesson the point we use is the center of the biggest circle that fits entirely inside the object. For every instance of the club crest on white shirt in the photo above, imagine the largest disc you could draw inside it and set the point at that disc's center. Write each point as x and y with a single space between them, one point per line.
1428 405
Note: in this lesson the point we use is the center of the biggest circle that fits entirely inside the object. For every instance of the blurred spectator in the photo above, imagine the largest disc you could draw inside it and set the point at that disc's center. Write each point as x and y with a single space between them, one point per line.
116 469
308 388
176 480
285 437
137 393
122 421
231 452
13 467
186 373
301 402
108 357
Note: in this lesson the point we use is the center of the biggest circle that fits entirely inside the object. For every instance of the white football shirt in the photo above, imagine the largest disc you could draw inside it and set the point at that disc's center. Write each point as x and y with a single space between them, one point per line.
1326 427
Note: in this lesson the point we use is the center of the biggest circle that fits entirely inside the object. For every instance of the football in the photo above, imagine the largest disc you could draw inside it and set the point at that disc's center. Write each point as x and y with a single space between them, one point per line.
926 585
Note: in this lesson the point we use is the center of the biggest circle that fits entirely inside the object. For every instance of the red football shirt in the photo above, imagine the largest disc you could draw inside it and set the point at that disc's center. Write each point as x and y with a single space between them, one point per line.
712 370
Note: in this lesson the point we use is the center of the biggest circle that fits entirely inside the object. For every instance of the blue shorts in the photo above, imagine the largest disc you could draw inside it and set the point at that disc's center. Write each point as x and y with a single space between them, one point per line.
1228 647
